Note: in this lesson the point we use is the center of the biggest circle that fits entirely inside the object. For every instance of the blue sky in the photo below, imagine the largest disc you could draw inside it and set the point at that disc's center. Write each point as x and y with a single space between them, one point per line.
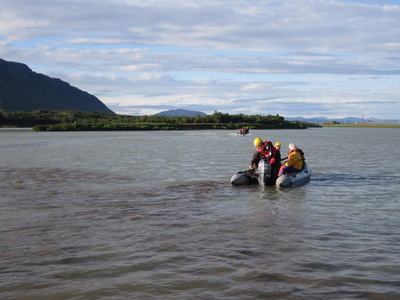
307 58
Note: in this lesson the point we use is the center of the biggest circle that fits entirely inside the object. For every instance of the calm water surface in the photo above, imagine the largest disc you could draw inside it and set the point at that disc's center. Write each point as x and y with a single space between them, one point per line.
152 215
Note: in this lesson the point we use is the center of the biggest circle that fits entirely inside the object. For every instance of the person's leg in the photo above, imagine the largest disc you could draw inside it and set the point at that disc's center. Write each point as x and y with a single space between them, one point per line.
288 169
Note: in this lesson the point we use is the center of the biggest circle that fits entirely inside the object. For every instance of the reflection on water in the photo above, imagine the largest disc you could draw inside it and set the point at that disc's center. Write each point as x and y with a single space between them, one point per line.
113 230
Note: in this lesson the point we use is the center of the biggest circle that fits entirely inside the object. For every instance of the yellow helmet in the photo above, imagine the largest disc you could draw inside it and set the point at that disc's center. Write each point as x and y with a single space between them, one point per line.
258 142
277 144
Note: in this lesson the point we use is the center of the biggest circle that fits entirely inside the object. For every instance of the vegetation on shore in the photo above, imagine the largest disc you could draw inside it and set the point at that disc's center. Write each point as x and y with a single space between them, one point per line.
42 120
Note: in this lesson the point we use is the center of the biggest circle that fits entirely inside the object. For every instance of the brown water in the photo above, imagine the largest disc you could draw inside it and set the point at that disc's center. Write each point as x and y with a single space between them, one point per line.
151 215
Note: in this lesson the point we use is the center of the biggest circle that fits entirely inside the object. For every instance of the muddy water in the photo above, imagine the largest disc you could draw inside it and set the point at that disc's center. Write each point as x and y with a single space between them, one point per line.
151 215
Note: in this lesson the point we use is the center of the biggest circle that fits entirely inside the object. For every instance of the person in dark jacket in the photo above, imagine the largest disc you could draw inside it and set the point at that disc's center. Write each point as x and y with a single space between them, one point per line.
276 159
264 150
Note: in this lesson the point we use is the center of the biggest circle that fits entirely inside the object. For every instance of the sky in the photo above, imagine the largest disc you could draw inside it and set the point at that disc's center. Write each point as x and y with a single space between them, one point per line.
308 58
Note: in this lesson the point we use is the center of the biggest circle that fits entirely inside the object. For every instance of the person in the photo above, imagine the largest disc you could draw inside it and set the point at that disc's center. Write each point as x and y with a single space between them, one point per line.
276 159
278 152
258 144
244 130
263 150
295 160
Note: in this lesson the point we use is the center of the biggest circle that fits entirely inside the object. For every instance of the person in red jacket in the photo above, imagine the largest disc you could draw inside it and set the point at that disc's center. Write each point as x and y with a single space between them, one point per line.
264 150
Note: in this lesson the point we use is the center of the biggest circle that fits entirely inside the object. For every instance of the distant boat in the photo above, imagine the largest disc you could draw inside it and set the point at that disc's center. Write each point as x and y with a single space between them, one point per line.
244 130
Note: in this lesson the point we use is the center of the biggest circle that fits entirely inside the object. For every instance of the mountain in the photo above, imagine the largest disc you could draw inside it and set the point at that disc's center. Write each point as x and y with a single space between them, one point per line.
180 113
23 89
348 120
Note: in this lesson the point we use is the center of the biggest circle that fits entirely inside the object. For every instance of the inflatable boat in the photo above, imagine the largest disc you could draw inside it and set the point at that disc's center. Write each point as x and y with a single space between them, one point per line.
264 177
294 179
245 177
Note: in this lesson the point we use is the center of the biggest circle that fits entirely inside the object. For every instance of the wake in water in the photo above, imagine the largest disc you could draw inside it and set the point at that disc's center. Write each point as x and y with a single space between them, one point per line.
349 179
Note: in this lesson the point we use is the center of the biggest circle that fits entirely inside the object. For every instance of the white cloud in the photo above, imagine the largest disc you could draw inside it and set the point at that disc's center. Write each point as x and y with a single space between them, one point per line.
138 67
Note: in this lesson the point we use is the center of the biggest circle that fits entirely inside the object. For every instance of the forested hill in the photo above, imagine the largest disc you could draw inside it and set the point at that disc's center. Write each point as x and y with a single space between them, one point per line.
22 89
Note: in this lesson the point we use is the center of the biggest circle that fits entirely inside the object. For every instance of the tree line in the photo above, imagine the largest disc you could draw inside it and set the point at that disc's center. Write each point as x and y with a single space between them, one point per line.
47 120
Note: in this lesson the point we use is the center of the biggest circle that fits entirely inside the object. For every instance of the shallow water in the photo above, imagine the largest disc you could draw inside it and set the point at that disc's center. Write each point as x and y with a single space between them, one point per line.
151 215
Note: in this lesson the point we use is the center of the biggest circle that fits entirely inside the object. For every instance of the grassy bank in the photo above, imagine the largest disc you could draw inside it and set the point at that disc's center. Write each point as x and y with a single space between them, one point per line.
369 125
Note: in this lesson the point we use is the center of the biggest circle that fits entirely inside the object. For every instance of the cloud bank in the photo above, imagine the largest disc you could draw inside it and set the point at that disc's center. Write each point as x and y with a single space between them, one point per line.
292 58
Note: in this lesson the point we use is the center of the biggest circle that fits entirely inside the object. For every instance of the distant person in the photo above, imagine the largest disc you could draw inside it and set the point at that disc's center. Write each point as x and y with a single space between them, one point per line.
244 130
295 160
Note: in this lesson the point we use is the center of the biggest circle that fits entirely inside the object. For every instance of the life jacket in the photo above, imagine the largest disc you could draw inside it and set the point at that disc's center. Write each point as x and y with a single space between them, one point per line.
298 151
262 148
267 150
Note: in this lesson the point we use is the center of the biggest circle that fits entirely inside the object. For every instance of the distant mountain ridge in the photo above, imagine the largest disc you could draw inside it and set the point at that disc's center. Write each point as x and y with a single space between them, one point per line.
23 89
315 120
348 120
180 113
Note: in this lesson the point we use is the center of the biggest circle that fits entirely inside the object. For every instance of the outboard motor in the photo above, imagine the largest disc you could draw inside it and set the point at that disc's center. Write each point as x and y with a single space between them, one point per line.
265 176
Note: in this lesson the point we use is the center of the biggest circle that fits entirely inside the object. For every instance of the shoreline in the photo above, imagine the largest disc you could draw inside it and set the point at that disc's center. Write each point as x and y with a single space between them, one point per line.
15 128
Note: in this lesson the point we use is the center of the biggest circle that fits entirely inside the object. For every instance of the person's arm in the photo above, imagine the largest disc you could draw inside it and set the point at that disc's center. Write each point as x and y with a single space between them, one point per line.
255 160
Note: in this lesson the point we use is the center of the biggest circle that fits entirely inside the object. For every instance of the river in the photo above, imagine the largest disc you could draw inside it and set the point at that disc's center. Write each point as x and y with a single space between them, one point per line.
152 215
